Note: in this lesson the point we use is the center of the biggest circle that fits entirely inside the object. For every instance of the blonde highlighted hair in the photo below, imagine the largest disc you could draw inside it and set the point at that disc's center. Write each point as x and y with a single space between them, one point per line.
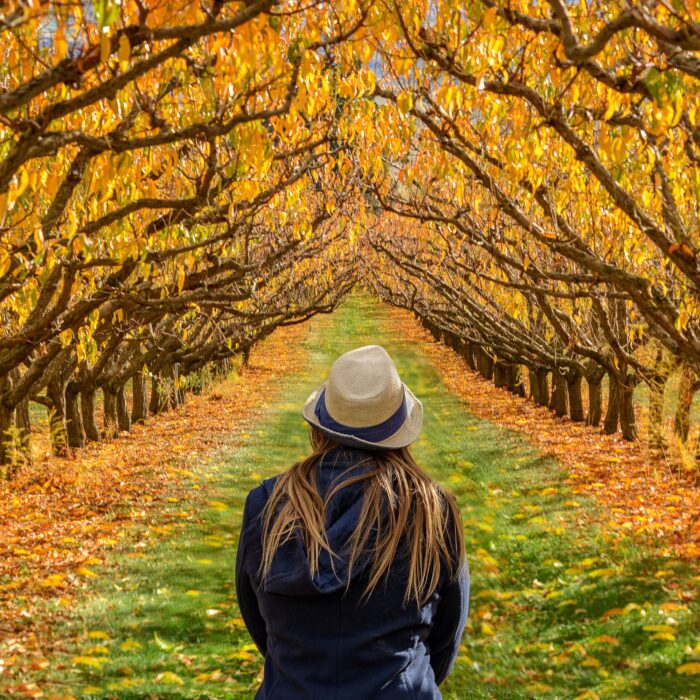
419 509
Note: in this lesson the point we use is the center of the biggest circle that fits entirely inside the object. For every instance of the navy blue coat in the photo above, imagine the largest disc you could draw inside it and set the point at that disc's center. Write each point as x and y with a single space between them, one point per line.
321 644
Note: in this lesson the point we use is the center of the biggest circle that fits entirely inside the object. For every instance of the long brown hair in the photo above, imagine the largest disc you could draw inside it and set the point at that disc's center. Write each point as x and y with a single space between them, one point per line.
418 508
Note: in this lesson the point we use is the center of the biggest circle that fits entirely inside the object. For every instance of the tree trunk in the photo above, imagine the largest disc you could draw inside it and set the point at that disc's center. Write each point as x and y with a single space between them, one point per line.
110 422
485 364
175 389
157 403
557 402
686 391
628 422
139 407
534 386
595 400
24 430
468 354
5 434
56 392
74 421
612 415
656 414
87 409
123 417
573 387
515 381
541 393
499 375
664 364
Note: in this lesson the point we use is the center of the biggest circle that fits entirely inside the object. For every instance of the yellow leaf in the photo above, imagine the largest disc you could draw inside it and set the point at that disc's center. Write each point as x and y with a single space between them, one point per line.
672 607
217 505
489 19
98 649
124 52
487 629
170 678
664 636
404 101
658 628
95 662
691 669
130 645
161 643
105 48
5 260
602 573
98 634
52 581
84 571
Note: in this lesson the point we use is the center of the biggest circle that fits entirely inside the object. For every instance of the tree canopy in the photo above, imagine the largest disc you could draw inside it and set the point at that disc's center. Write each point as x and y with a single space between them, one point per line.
178 179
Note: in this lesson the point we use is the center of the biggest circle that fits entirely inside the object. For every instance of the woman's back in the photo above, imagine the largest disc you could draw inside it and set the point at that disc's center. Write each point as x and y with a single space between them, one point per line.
351 573
321 641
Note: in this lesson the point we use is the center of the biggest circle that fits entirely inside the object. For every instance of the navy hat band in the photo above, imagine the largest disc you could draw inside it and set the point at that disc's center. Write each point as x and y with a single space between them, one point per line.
372 433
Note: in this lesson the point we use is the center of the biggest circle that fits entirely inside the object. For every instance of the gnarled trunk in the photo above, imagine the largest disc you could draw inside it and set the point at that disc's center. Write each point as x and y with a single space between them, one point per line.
540 386
595 401
158 396
574 379
664 363
628 422
110 422
514 381
74 421
123 417
173 383
56 393
87 410
500 379
686 391
24 430
468 354
557 402
612 415
139 406
6 437
594 379
485 364
656 415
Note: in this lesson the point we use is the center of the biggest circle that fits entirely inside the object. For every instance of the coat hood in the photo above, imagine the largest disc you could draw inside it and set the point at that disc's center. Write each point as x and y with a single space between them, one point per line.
289 574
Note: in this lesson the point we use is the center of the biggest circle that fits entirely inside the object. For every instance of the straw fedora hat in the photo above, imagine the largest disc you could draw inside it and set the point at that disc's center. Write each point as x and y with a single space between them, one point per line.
364 403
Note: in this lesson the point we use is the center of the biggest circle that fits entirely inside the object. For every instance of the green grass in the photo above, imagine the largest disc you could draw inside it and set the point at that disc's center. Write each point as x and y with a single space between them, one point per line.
543 577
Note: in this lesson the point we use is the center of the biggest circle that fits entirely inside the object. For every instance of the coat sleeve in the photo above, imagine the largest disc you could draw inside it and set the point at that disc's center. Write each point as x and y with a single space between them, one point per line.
245 593
448 623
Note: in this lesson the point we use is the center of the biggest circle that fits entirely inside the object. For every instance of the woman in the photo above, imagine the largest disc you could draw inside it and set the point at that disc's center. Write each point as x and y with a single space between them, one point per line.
351 574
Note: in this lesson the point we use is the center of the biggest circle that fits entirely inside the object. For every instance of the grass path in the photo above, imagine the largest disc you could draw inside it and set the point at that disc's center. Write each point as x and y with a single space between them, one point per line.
556 612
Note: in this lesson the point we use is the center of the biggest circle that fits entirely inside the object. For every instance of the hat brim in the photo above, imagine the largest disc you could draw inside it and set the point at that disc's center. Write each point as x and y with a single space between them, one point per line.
404 436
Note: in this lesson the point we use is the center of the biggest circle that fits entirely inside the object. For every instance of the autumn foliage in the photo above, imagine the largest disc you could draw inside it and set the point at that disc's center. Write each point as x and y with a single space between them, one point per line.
178 180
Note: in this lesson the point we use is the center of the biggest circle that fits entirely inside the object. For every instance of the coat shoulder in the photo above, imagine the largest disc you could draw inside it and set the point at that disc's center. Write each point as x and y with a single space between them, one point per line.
258 496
